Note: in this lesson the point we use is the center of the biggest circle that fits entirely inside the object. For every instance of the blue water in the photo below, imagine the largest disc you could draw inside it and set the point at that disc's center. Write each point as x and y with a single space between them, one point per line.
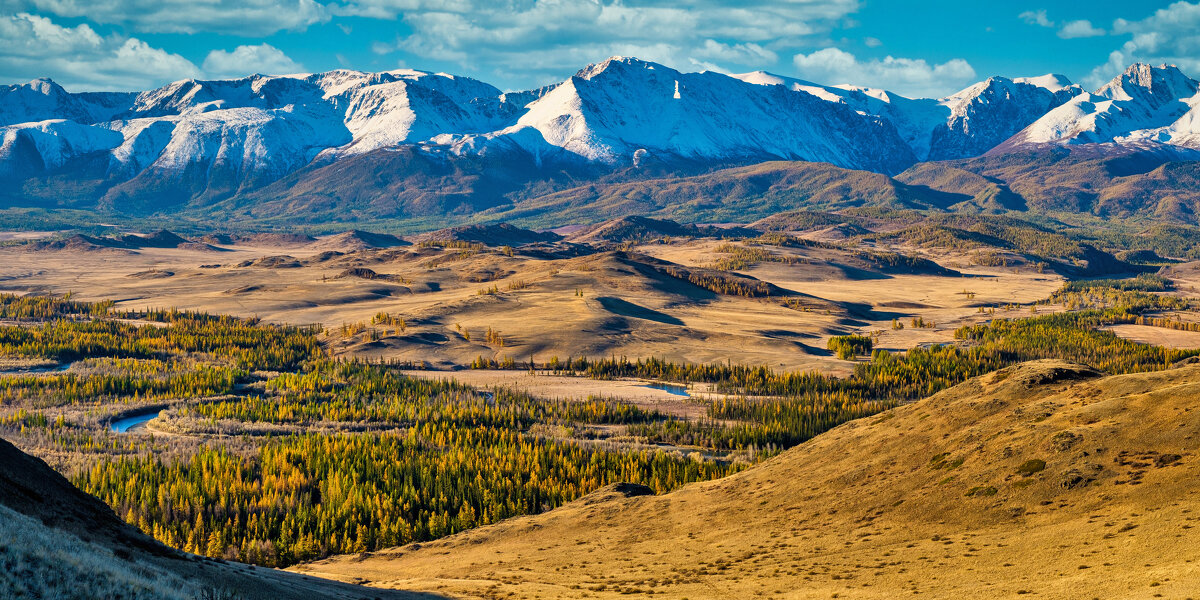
670 388
50 369
123 425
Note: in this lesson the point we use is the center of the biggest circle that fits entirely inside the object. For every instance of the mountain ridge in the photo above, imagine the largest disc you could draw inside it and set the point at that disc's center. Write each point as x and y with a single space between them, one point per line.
438 144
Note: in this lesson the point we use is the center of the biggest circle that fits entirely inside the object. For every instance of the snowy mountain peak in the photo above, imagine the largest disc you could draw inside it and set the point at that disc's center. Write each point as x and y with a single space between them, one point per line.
1043 86
208 139
39 100
1144 107
1158 85
617 65
45 86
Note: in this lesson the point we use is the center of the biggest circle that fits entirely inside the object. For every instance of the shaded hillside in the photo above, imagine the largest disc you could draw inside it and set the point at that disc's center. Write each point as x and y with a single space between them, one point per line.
59 542
1005 238
804 220
408 190
130 242
400 183
351 241
984 194
1147 185
424 191
735 194
636 229
1043 478
500 234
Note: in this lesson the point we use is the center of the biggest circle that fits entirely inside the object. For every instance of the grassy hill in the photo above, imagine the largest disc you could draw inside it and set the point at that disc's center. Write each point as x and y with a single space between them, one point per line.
1043 479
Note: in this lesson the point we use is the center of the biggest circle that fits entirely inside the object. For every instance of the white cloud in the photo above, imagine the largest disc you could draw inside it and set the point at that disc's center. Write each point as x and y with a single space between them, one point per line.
912 77
1081 28
1036 17
741 54
1070 29
1171 35
534 42
239 17
871 42
246 60
81 59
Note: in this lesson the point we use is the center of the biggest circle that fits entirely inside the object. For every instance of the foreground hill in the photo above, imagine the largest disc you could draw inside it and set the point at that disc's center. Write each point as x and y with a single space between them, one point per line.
63 543
1045 479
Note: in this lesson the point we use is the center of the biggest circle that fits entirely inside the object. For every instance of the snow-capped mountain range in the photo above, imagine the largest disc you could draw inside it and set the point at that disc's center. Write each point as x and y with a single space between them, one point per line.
252 131
1144 107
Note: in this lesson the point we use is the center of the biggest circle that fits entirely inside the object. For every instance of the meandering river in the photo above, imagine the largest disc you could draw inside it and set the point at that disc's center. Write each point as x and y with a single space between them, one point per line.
133 421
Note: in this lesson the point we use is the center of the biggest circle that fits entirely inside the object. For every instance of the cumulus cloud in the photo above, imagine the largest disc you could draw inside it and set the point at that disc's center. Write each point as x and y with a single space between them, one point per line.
81 59
536 41
246 60
1081 28
912 77
240 17
1036 17
1171 35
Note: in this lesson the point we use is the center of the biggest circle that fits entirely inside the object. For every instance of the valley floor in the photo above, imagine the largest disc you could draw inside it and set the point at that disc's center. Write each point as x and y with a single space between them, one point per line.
930 500
373 396
602 303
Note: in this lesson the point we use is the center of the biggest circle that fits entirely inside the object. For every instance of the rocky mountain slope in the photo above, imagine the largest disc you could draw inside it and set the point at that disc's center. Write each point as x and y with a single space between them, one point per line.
1145 108
1041 480
622 110
964 124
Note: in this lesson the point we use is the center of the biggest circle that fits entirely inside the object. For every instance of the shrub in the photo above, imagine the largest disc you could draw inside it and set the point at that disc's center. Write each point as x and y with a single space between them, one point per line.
849 346
1031 466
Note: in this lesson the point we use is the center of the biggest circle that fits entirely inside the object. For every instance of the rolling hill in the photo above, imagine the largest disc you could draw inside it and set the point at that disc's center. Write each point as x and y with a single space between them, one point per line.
1045 478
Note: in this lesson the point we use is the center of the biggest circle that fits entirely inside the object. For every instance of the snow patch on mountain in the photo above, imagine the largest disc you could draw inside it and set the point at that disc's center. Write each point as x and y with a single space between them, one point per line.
621 111
1143 107
610 111
961 125
56 141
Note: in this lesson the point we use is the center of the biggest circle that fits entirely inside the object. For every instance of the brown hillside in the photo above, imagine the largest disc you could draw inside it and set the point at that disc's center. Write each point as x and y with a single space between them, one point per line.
1043 480
355 240
500 234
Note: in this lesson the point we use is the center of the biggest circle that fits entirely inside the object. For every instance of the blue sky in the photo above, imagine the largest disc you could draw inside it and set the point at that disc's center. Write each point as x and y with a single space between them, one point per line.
926 48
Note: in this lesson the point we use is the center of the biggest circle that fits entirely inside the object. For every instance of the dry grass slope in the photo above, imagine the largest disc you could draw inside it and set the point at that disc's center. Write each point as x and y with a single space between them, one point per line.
1042 480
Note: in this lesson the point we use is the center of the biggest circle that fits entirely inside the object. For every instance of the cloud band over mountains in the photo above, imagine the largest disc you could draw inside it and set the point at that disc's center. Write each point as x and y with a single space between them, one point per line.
522 44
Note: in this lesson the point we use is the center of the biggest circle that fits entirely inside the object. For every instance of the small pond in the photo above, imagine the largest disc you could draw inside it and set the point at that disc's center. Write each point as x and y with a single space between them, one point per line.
670 388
